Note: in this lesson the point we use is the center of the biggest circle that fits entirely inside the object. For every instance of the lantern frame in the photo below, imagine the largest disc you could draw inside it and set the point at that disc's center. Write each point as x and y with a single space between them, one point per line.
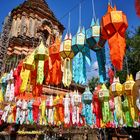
79 40
87 96
103 93
66 47
41 52
116 87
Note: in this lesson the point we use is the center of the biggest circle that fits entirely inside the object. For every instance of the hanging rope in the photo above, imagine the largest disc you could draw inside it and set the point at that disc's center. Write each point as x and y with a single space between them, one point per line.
115 73
69 24
80 15
73 8
126 61
93 10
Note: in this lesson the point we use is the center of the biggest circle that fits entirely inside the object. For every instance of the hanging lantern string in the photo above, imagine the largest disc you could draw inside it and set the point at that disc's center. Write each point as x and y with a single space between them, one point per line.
115 72
16 61
72 9
69 24
80 15
93 10
126 61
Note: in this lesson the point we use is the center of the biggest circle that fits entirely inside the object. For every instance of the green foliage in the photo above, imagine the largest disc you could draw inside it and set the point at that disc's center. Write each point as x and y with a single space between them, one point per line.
93 83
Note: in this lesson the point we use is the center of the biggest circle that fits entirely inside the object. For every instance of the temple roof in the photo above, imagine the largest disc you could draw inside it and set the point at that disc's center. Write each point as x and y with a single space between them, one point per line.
40 8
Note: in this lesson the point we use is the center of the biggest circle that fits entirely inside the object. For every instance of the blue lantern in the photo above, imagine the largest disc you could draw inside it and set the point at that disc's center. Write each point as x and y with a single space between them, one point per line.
87 96
87 109
93 37
78 41
82 55
96 43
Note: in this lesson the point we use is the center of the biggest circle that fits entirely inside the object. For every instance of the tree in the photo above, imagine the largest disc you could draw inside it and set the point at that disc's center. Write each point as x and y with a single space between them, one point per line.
93 83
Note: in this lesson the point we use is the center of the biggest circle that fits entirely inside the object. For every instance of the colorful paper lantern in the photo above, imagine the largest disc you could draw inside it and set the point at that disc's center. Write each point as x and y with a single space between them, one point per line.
125 107
93 36
104 98
52 69
128 85
87 107
116 87
78 41
82 55
41 53
87 96
67 110
128 88
104 93
66 47
113 27
97 106
67 54
29 62
76 98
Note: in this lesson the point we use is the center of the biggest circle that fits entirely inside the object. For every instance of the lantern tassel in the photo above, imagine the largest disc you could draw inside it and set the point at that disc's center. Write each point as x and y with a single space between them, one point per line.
128 119
79 68
40 72
101 63
117 46
88 114
67 74
118 110
106 112
25 74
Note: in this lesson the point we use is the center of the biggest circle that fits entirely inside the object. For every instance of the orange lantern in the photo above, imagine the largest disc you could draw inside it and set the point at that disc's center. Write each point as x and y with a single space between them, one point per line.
113 27
53 65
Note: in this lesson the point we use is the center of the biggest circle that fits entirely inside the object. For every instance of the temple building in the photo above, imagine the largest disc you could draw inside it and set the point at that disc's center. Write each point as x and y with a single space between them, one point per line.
22 30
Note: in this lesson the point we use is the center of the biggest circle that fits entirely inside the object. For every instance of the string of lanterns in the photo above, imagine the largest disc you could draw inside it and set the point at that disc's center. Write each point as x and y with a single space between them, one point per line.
116 107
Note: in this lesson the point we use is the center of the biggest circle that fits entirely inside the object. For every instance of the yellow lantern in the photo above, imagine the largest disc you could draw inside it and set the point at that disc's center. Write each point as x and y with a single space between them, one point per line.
67 55
128 85
66 47
41 53
29 62
116 87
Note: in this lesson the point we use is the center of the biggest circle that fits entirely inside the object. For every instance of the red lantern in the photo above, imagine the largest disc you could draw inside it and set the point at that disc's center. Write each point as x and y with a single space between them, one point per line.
137 6
113 27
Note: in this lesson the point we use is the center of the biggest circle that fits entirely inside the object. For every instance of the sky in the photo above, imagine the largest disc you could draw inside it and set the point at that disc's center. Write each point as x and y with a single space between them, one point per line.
62 7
